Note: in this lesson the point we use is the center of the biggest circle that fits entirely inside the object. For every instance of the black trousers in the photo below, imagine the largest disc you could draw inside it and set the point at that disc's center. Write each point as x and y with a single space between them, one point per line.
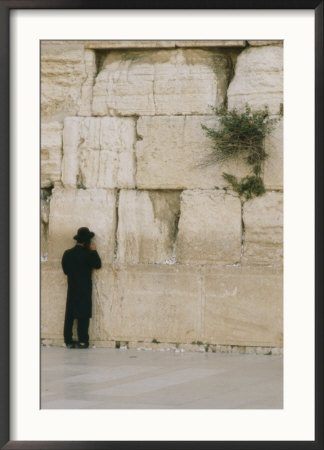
83 327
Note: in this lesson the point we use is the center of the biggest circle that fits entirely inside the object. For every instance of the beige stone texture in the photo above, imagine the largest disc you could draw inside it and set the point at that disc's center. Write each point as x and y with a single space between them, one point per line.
53 300
43 241
181 81
63 73
90 68
273 165
180 304
209 228
44 219
168 232
244 306
99 152
104 297
173 152
147 226
191 347
102 45
265 42
127 44
51 153
143 302
100 344
213 43
263 220
71 209
163 346
258 79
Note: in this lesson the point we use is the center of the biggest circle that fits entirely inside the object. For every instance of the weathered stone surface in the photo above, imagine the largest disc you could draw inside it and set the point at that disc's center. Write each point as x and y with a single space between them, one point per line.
184 293
104 297
213 43
121 44
264 42
51 153
273 166
117 155
87 86
244 306
147 302
263 219
191 347
209 228
173 151
226 306
102 45
181 81
44 216
258 79
147 226
62 76
43 241
99 152
74 208
53 299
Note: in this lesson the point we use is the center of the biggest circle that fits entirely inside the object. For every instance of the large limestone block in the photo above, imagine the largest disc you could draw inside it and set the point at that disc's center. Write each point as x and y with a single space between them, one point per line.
258 79
181 81
149 301
51 153
99 152
147 226
263 220
273 166
209 228
65 76
173 151
71 209
243 306
53 300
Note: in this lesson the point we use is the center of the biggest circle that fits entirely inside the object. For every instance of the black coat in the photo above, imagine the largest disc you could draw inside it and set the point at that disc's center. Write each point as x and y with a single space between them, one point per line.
77 264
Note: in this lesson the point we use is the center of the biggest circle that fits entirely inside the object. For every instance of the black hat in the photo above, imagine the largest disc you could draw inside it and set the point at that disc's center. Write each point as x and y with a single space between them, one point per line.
84 235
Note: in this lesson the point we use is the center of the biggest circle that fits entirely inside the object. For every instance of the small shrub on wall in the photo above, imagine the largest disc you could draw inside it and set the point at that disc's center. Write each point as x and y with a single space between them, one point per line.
241 135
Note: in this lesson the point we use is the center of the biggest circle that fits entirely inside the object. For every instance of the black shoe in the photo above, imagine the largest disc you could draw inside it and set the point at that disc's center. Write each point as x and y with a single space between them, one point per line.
83 344
71 344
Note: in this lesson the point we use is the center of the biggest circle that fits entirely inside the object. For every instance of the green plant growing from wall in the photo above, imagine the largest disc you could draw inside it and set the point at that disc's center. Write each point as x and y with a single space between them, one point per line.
241 134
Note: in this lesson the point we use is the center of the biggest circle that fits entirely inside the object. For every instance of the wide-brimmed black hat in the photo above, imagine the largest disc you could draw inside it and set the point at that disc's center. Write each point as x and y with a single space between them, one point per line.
84 235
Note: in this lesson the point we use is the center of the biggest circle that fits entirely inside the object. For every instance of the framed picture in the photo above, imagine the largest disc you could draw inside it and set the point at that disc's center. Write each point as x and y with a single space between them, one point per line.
62 123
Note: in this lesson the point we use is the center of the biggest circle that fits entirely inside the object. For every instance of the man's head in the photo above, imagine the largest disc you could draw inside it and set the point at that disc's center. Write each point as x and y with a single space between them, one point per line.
83 235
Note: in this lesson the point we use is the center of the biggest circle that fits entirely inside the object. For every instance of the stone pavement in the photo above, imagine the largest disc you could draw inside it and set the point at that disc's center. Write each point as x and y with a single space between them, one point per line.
104 378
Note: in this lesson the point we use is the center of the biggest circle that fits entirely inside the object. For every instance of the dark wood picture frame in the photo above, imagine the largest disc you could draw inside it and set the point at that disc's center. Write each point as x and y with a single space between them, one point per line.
5 8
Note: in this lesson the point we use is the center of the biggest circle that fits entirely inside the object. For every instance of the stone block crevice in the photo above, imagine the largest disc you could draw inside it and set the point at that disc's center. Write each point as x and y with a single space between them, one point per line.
242 231
116 224
45 204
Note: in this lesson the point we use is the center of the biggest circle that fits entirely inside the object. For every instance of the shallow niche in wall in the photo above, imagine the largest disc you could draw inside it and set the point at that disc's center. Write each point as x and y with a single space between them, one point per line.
161 81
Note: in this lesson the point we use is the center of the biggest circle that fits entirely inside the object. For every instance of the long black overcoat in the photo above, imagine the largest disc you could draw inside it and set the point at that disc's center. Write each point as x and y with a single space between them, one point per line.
77 264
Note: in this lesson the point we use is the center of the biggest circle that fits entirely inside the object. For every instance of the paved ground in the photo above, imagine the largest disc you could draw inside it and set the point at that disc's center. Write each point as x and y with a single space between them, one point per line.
102 378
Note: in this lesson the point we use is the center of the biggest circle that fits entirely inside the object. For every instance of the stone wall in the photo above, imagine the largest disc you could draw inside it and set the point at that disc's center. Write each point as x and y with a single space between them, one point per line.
121 151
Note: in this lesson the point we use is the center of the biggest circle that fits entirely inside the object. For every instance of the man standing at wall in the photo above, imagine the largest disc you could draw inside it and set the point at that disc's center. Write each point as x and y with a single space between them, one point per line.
77 264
